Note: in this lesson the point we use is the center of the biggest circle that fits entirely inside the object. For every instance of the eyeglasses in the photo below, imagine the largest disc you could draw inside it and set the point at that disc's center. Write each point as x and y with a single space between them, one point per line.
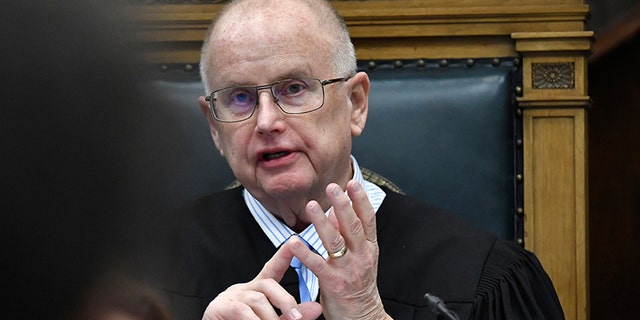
293 96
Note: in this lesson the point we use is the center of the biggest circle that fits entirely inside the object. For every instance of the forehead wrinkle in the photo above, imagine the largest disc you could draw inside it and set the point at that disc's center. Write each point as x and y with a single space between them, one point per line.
285 46
266 19
256 38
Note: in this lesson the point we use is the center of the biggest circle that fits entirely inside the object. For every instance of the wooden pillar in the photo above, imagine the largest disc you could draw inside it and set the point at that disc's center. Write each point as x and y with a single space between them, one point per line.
553 104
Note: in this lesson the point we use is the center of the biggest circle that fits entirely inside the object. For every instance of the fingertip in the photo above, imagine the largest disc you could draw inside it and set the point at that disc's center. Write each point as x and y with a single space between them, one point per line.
294 244
295 313
313 207
332 185
334 189
310 310
354 186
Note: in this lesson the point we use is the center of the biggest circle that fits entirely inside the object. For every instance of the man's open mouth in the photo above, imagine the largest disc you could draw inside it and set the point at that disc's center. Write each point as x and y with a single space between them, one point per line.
274 155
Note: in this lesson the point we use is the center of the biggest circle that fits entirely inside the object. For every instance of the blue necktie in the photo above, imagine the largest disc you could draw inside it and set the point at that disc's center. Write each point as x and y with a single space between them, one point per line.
305 295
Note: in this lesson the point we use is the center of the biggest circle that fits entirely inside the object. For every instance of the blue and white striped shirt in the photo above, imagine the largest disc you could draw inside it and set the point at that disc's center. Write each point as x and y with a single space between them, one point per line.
278 232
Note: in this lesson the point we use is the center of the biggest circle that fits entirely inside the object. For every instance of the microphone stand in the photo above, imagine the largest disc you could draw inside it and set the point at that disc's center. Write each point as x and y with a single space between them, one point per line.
438 307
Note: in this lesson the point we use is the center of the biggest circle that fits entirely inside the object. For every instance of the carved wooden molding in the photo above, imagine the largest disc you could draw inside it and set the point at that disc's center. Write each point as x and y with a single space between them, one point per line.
553 75
384 29
554 68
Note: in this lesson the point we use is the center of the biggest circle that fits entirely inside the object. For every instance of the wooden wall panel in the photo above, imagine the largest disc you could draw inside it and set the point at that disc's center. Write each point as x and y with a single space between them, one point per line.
555 198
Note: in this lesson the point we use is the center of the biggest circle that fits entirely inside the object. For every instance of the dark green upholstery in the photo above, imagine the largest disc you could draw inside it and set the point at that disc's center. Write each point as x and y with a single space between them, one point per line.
443 134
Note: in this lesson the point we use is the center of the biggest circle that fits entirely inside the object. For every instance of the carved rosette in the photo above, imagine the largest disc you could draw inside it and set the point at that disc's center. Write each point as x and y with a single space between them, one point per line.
553 75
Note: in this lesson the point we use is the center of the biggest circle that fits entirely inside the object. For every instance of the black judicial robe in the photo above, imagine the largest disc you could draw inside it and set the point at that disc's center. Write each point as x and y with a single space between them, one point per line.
422 249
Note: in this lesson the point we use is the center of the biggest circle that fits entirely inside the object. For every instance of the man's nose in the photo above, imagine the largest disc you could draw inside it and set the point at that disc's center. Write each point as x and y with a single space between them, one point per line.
268 113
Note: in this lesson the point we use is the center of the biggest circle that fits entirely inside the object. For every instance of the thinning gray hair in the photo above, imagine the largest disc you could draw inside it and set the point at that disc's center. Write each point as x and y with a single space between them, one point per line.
342 51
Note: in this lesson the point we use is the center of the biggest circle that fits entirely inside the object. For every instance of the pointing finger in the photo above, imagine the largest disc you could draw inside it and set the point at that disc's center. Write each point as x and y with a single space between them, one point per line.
276 267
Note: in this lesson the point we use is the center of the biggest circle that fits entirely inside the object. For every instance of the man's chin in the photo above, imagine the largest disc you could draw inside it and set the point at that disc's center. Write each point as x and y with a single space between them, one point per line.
283 187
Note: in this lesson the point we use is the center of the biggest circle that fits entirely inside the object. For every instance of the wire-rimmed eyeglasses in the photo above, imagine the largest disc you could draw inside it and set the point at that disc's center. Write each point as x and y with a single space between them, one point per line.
293 96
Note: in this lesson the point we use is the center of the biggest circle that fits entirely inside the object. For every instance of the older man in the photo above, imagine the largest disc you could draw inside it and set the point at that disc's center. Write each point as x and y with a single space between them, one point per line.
283 101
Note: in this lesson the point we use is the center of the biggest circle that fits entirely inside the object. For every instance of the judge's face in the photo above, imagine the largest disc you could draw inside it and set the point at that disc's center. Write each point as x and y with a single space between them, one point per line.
279 156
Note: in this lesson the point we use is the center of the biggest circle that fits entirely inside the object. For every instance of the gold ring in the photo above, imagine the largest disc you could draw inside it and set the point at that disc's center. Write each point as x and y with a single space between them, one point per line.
339 253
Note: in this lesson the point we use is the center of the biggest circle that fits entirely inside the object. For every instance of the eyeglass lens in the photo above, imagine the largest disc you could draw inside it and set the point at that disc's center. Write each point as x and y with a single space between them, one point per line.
292 95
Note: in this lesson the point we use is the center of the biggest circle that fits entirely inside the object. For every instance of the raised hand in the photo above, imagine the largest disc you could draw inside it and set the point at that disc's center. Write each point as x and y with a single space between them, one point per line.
347 279
256 299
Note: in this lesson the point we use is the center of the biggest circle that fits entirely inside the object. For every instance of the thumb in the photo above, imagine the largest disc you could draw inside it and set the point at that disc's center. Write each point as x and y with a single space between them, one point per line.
308 311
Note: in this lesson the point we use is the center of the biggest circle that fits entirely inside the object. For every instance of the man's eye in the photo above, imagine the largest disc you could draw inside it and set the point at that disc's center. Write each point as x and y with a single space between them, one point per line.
240 98
293 88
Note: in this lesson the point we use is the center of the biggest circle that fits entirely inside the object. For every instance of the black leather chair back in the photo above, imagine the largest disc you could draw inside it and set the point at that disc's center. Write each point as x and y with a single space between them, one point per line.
445 132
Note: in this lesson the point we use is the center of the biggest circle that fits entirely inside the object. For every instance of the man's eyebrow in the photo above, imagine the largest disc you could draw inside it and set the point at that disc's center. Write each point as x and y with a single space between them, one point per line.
294 73
287 75
230 84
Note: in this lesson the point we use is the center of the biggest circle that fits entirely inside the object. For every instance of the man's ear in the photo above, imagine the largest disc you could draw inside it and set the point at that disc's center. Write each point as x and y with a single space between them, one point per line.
359 97
204 107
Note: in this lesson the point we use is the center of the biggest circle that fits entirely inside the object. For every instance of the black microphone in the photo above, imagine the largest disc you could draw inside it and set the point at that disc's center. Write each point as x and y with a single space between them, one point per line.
438 307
